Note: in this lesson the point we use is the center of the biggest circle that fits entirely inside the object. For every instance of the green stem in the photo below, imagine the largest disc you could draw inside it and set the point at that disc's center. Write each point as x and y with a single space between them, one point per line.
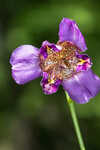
75 122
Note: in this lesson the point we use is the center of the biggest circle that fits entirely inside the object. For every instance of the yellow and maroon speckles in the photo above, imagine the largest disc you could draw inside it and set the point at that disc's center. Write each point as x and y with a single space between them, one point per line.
60 64
49 50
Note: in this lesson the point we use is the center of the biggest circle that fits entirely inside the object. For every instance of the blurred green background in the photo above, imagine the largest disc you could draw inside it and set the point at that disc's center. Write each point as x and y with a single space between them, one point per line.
30 120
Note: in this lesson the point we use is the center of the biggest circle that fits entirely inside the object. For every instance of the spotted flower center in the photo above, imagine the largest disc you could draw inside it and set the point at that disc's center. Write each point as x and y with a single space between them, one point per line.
62 61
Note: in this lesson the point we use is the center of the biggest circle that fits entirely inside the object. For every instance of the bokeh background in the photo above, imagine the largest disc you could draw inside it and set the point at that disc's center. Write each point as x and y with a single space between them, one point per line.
30 120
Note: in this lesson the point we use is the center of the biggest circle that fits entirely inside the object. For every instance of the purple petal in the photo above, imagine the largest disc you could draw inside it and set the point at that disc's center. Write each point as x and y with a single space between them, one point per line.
25 64
83 86
44 43
52 46
47 87
84 62
69 31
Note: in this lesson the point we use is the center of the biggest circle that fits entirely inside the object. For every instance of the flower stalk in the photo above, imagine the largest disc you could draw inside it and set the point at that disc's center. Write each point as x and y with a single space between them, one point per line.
75 122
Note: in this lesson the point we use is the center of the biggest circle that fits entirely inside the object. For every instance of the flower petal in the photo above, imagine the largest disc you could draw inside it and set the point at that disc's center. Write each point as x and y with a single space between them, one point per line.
47 87
84 62
69 31
25 64
51 46
83 86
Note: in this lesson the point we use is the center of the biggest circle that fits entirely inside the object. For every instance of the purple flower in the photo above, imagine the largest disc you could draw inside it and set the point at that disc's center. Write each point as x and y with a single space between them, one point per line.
60 63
